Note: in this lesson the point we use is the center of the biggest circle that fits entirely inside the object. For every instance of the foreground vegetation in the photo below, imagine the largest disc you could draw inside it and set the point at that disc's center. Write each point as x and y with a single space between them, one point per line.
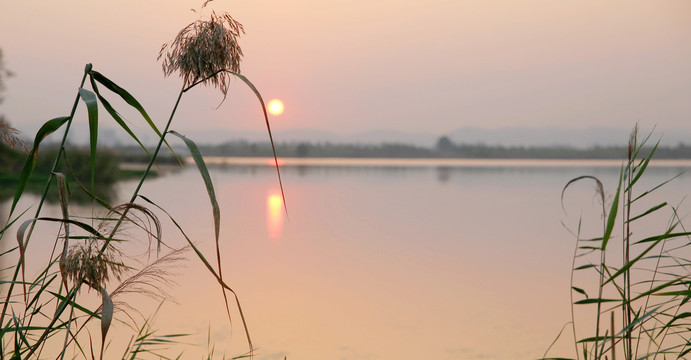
75 167
48 312
631 285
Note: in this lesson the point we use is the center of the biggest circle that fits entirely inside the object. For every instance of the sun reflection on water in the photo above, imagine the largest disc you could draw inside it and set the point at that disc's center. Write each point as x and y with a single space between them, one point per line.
274 216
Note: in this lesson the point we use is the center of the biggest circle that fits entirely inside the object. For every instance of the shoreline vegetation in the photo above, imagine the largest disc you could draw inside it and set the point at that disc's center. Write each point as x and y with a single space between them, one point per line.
445 149
124 162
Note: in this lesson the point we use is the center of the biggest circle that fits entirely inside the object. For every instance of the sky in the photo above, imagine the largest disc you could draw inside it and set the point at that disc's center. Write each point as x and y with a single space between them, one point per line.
364 65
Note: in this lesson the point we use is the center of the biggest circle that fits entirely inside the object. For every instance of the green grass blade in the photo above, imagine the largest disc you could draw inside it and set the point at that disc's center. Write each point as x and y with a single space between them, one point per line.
77 306
644 165
645 193
652 209
114 114
204 171
667 235
89 99
594 301
129 99
82 225
656 240
48 128
612 216
580 291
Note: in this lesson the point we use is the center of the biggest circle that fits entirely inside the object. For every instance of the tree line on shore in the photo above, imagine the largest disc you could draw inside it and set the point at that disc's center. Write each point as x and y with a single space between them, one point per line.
445 148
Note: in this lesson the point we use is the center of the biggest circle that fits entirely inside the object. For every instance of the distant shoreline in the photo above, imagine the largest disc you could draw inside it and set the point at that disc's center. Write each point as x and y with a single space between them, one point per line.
445 150
414 162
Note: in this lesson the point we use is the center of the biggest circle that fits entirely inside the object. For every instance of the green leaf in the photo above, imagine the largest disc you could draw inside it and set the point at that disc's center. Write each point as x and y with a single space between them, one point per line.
593 339
675 293
48 128
644 165
118 119
107 317
652 209
580 291
82 225
594 301
611 218
668 235
129 99
85 310
92 107
656 240
204 171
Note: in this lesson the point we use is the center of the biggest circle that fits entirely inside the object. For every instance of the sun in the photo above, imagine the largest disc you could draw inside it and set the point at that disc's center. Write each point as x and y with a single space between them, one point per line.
275 107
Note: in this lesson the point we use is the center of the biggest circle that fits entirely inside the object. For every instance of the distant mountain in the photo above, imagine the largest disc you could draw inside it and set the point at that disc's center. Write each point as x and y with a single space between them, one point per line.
554 136
525 136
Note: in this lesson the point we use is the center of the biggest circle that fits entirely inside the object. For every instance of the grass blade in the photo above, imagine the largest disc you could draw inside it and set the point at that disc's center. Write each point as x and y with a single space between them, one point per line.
107 318
204 171
268 128
118 119
48 128
652 209
129 99
612 216
92 107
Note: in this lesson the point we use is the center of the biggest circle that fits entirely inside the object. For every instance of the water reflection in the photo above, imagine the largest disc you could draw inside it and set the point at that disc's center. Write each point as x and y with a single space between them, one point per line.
393 228
274 216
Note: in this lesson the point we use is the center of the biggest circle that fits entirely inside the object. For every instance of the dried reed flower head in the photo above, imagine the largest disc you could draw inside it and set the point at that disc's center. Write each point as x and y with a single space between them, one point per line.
10 135
203 48
84 265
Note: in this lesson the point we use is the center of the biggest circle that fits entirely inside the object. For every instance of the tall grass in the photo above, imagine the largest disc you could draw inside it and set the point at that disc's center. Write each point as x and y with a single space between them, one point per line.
630 286
50 311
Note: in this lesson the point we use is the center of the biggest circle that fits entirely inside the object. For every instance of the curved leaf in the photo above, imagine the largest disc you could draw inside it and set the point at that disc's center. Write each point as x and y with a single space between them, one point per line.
92 107
268 128
204 171
118 119
612 216
107 317
129 99
48 128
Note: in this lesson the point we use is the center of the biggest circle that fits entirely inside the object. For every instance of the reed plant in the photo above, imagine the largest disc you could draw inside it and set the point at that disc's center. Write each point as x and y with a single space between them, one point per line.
50 312
631 285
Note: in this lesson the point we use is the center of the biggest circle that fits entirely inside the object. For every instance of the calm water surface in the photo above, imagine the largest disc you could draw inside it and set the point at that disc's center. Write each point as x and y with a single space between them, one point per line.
379 260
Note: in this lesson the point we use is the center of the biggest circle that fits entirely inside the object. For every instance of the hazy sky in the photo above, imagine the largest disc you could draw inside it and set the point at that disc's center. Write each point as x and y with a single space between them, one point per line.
357 65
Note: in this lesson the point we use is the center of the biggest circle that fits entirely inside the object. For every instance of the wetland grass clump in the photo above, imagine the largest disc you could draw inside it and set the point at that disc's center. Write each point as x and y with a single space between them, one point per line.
631 284
47 313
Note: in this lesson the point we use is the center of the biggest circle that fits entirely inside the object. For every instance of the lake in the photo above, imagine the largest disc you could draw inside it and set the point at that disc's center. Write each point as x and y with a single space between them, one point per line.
378 259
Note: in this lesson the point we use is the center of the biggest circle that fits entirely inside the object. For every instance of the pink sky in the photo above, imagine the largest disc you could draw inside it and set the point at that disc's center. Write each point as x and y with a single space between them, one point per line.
360 65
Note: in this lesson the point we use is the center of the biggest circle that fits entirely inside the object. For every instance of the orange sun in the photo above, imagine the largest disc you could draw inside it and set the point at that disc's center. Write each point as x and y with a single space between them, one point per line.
275 107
